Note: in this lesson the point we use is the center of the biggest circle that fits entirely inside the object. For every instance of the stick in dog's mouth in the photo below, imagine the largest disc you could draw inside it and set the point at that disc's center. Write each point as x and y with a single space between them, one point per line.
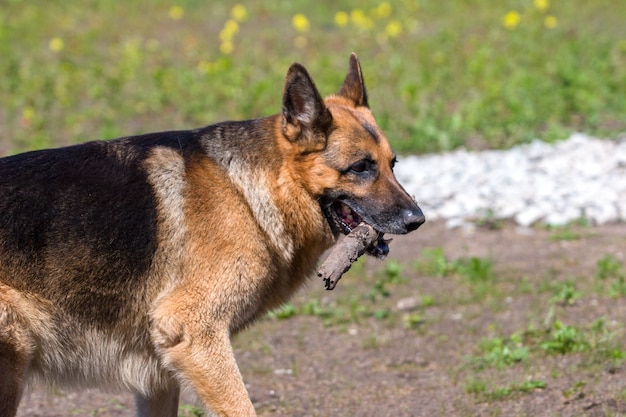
343 219
362 238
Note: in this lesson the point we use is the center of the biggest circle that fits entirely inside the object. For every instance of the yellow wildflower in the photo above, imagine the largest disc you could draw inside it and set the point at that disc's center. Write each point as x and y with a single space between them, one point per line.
56 44
206 67
393 29
511 20
541 5
341 19
226 47
382 11
229 31
176 12
28 114
360 20
301 23
550 22
239 13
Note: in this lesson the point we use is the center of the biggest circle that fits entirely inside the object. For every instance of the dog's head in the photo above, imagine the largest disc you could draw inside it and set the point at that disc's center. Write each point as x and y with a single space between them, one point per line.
343 158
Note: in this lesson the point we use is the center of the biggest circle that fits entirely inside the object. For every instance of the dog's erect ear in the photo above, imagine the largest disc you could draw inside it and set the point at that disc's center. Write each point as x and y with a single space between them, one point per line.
353 86
305 116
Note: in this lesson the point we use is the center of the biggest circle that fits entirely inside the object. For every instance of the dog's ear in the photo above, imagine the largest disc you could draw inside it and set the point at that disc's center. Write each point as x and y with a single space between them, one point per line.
353 86
305 116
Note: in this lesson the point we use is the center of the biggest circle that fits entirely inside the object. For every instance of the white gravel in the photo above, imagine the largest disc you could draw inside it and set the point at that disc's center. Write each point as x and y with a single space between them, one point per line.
554 184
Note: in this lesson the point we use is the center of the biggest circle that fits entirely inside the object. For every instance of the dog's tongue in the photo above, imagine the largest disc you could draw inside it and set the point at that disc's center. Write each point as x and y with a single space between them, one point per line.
380 247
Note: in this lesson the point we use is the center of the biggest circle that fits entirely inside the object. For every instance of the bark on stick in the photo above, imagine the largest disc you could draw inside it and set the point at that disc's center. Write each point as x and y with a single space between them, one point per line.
345 253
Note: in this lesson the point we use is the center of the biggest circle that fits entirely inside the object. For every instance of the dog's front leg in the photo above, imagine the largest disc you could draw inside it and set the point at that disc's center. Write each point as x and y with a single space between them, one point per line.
159 404
201 356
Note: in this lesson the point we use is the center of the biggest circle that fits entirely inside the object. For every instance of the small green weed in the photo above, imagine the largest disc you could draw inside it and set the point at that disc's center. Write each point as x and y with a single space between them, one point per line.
479 274
475 270
604 343
561 234
479 388
434 263
609 267
284 312
525 286
564 339
500 352
393 271
314 308
412 321
475 386
531 385
372 342
574 390
489 221
379 290
427 300
381 314
610 276
187 410
618 288
565 293
391 274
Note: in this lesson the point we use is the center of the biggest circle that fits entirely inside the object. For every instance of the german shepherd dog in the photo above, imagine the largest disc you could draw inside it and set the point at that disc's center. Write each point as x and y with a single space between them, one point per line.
129 264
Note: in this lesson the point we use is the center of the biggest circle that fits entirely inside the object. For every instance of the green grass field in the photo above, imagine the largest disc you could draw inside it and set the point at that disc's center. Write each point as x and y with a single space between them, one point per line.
473 73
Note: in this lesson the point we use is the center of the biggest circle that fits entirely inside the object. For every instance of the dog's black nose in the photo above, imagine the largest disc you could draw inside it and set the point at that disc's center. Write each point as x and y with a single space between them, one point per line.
413 219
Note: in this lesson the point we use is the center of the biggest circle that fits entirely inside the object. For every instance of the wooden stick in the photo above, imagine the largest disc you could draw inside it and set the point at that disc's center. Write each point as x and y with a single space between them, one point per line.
345 253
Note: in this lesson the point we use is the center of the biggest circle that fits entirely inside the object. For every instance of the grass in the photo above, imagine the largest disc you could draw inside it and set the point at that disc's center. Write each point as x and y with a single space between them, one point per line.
356 308
610 276
609 267
482 390
601 344
433 263
557 338
564 339
500 352
437 79
477 273
187 410
565 293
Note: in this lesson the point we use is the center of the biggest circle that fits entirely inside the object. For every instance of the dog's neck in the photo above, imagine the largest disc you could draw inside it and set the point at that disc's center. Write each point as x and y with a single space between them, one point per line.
290 216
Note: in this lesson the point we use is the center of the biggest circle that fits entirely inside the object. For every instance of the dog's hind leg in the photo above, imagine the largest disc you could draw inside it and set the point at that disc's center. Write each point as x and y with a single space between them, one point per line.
15 353
12 379
159 404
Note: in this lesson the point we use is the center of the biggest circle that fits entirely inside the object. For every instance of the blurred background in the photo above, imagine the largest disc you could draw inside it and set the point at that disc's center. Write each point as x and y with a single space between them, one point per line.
473 73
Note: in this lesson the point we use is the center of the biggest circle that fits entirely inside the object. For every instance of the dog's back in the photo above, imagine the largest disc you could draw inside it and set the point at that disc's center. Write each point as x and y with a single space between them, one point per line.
68 216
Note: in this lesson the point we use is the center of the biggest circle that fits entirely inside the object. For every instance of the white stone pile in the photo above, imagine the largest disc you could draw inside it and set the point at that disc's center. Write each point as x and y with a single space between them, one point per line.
555 184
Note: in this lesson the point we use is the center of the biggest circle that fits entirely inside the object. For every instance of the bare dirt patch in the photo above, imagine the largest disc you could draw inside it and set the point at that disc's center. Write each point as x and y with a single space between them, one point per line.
418 334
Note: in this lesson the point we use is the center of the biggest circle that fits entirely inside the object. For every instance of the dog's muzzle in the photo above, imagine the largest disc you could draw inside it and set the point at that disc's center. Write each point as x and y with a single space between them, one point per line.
343 219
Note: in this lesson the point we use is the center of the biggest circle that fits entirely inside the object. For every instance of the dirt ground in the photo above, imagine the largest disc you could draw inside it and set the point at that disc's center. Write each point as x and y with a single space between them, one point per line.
389 343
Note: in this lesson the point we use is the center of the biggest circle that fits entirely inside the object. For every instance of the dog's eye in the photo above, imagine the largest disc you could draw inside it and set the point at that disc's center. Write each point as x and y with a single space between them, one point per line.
359 167
393 162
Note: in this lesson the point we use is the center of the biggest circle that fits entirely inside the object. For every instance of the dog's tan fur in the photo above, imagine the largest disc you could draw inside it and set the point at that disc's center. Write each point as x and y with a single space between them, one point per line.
130 264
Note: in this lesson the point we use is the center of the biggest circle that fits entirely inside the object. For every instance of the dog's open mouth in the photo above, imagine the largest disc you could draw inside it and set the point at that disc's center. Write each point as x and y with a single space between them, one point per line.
343 219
